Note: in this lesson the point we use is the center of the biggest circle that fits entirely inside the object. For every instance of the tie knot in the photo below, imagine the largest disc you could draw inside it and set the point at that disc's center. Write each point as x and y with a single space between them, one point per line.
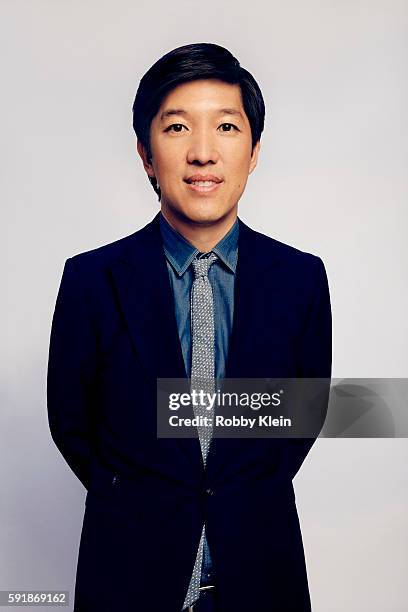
201 265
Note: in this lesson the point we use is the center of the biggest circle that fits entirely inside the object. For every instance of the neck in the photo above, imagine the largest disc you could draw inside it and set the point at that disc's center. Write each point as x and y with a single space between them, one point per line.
204 236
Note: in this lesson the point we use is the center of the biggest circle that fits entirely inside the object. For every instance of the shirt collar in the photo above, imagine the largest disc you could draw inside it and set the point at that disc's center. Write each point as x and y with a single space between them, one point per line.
180 252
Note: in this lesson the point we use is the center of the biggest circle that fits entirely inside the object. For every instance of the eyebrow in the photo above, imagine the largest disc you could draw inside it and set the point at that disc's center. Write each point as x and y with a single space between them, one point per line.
180 111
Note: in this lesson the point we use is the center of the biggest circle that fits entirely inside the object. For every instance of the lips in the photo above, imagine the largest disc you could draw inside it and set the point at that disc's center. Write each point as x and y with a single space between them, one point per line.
203 180
203 184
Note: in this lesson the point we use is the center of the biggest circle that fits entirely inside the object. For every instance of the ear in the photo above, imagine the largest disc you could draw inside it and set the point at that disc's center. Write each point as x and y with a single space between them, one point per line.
254 157
145 159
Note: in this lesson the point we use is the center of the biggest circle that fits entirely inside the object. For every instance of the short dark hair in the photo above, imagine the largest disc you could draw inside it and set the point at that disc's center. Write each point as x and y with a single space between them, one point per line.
190 63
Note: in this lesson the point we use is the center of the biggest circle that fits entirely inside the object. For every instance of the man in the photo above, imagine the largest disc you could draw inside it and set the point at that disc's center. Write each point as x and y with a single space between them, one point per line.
186 524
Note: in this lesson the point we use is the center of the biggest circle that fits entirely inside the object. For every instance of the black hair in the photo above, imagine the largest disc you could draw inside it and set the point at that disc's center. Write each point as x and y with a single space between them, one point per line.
190 63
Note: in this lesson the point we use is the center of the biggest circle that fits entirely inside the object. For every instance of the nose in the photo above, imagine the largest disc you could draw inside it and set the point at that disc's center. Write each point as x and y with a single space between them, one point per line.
202 149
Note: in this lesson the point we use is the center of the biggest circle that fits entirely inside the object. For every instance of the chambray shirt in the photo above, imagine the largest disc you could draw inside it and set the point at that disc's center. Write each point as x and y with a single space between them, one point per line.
179 255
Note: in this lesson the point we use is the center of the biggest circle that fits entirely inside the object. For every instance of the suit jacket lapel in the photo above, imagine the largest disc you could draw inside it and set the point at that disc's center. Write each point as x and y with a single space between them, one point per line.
249 277
146 299
147 303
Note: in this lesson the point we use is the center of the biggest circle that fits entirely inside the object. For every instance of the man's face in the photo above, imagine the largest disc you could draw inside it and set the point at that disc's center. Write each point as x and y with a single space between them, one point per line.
201 130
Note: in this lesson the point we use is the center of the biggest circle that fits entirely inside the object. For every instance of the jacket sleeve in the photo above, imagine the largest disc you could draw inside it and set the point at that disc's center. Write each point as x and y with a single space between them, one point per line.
315 357
71 372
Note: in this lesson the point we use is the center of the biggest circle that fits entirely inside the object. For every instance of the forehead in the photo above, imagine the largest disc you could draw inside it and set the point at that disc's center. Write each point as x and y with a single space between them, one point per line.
203 96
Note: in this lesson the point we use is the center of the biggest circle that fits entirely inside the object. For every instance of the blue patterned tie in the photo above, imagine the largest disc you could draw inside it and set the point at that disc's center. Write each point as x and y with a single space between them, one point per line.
202 377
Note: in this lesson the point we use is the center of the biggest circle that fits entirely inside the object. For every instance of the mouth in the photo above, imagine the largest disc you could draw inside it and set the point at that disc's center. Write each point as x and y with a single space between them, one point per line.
207 186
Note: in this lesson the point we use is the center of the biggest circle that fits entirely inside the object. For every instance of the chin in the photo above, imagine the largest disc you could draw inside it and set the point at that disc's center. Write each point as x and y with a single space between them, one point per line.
204 216
199 210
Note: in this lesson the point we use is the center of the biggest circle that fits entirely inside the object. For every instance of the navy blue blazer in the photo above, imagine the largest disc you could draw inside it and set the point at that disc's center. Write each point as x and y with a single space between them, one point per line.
113 334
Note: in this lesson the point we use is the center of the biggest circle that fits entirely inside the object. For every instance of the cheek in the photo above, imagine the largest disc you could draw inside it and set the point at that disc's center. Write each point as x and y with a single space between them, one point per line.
163 158
240 170
167 157
239 158
167 169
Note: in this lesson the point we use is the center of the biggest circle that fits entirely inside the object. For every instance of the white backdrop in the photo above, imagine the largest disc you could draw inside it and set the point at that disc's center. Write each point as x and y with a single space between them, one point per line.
331 180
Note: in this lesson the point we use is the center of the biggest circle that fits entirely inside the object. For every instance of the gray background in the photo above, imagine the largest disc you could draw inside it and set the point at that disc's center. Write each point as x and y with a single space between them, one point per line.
330 181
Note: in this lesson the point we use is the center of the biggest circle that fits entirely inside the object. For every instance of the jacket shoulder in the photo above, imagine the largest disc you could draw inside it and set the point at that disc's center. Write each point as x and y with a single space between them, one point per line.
285 254
102 256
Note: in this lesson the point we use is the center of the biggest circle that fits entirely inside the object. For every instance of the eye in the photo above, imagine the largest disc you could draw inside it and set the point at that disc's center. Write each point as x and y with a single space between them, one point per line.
231 125
175 125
